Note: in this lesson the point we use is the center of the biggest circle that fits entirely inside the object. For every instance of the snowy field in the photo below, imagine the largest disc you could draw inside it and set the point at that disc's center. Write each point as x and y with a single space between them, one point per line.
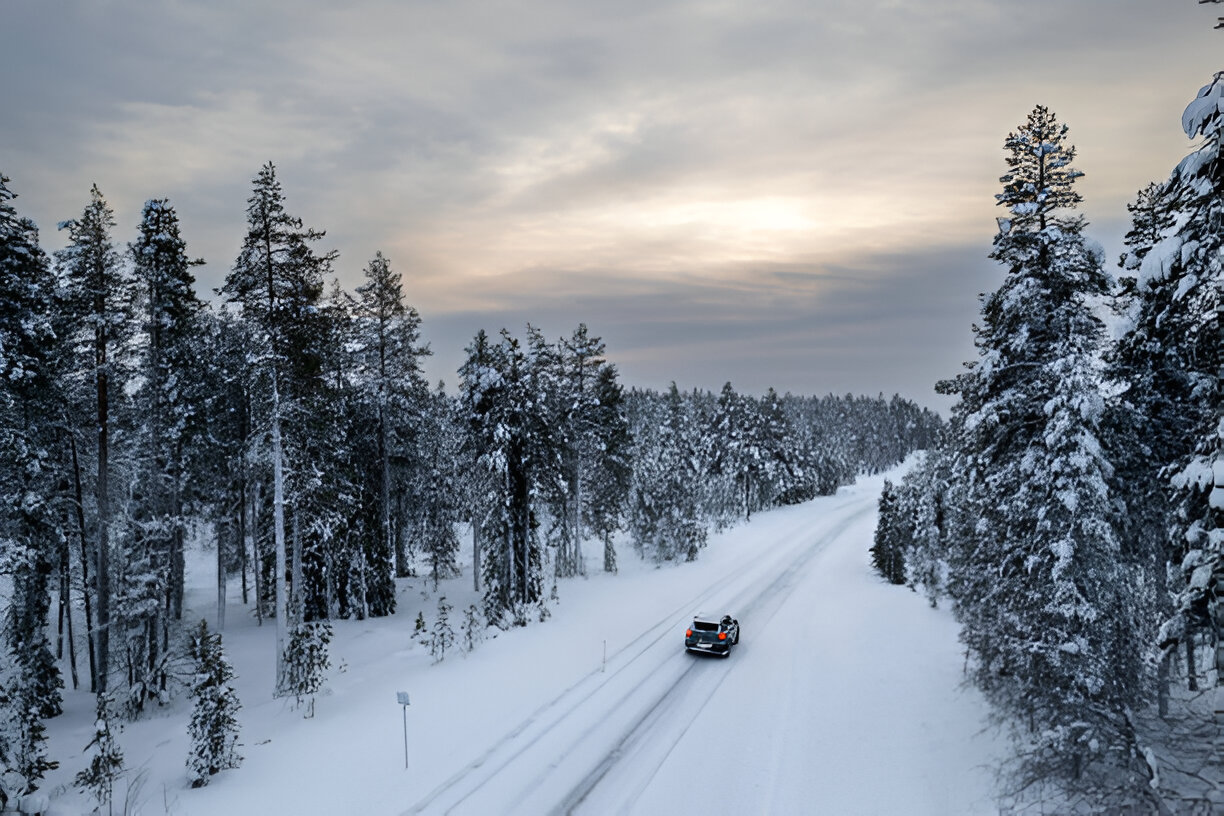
843 697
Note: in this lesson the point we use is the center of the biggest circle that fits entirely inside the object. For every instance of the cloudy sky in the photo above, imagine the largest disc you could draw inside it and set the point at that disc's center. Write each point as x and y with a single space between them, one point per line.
796 194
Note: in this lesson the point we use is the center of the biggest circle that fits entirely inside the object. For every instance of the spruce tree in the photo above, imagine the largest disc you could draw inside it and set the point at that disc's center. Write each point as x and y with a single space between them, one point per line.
1192 253
214 722
608 488
389 349
1040 588
170 405
31 532
278 280
892 532
106 763
99 298
306 662
442 637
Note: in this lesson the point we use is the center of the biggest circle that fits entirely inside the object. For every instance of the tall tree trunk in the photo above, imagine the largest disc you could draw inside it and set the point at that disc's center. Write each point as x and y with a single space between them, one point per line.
80 518
103 500
385 454
1191 668
257 571
278 532
221 577
65 612
297 597
476 550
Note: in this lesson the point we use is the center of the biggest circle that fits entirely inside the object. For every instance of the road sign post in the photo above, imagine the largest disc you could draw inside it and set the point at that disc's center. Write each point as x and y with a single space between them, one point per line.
402 698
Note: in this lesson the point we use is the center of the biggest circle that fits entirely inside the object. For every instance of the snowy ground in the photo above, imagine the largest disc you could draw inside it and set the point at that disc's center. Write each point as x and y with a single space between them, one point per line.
843 697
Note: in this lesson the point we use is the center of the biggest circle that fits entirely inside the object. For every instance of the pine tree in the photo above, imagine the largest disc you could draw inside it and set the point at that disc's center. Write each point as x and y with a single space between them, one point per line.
505 436
306 662
214 722
665 514
608 488
1191 253
99 300
278 280
473 628
389 352
23 750
30 524
443 636
1043 595
892 533
419 627
106 764
170 404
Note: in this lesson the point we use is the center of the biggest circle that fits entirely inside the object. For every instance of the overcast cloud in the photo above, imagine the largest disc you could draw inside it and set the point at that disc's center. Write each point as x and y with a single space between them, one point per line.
796 194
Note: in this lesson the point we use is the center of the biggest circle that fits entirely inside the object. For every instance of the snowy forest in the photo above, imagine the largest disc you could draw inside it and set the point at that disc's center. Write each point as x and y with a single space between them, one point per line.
1071 512
286 423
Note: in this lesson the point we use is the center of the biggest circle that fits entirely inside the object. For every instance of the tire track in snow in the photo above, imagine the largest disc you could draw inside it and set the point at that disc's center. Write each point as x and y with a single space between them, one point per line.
761 606
540 724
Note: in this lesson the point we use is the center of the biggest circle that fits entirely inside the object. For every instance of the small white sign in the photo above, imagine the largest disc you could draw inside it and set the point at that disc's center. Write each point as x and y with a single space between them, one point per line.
402 697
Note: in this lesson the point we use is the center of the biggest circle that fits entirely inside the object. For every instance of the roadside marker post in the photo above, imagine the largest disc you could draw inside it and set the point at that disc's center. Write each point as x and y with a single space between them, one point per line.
402 698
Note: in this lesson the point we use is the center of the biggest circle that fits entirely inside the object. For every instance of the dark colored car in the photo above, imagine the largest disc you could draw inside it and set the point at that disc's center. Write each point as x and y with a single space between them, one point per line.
712 635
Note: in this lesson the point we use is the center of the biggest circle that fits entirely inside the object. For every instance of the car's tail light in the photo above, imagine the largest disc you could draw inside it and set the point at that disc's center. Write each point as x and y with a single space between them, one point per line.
722 635
688 633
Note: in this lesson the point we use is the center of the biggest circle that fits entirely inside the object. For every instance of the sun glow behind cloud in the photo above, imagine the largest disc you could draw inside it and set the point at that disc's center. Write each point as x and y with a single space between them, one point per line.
768 168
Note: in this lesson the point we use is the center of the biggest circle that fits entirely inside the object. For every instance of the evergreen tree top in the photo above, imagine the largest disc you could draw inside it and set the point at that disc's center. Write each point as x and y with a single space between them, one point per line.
1040 179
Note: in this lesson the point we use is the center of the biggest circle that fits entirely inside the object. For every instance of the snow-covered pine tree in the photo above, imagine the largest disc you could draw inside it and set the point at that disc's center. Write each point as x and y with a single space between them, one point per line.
388 348
98 296
106 763
31 538
23 749
214 717
1047 605
419 628
893 531
278 280
666 521
551 433
1194 253
442 637
473 628
169 404
496 387
307 661
607 490
581 361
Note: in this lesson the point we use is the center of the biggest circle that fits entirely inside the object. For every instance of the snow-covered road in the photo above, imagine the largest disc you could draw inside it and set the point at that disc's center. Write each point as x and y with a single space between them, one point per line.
844 696
811 713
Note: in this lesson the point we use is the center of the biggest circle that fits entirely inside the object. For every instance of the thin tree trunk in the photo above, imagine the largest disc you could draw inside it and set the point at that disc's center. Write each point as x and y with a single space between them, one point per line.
80 514
257 571
1162 683
476 551
242 534
65 605
177 566
278 532
221 580
296 596
385 454
1191 668
103 500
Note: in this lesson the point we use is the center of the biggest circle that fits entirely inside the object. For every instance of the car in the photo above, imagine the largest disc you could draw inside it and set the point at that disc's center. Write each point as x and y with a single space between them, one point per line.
713 635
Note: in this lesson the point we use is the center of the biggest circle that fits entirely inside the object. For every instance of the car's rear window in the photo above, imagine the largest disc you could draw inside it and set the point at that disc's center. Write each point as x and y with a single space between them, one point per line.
705 626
